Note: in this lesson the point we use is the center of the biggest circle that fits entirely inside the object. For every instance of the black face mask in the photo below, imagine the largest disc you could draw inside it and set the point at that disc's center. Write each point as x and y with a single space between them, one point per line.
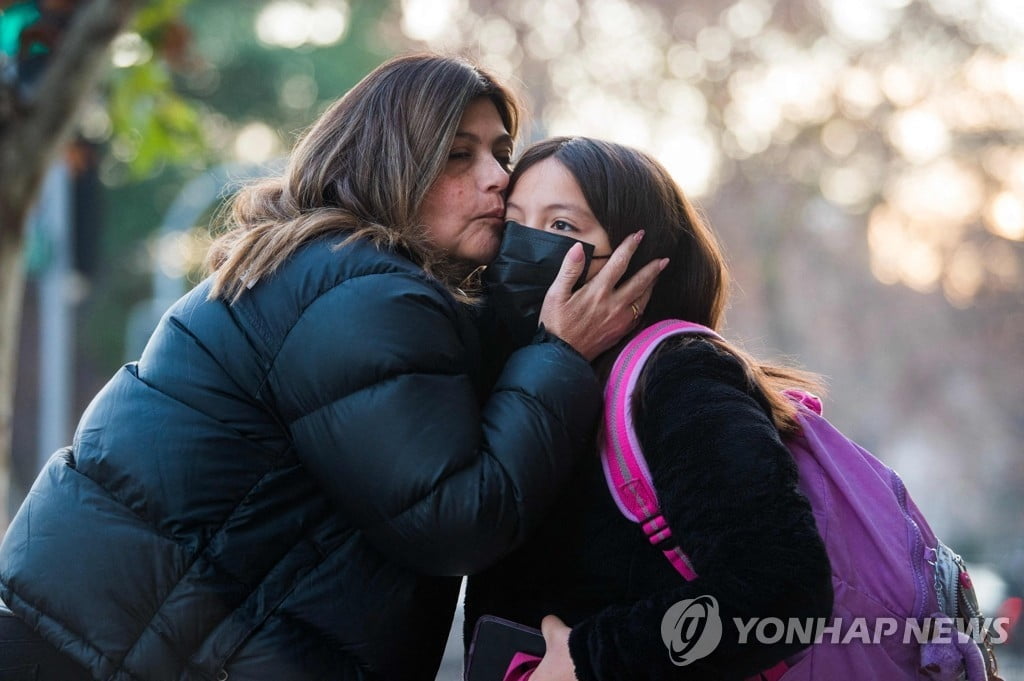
523 271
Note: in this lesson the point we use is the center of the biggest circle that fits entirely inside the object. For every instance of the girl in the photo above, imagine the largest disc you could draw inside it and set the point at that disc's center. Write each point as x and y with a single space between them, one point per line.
711 421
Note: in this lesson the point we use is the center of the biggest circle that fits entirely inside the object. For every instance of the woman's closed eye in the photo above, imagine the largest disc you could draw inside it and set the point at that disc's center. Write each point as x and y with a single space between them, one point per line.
465 155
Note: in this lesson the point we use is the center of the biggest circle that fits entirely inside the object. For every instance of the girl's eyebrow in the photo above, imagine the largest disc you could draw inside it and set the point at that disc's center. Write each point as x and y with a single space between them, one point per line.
568 207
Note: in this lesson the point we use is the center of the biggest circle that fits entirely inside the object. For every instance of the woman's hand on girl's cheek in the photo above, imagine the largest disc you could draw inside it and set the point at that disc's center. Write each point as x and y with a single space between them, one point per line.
597 316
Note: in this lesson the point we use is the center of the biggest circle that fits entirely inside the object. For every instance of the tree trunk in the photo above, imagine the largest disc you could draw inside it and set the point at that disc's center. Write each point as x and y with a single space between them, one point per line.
32 132
12 280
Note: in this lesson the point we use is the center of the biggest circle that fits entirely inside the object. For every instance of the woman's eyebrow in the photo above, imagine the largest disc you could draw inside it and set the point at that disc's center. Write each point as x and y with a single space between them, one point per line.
475 139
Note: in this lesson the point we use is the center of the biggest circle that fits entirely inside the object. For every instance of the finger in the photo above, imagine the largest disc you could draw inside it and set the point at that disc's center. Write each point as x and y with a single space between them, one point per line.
568 273
550 626
639 306
644 298
641 283
619 262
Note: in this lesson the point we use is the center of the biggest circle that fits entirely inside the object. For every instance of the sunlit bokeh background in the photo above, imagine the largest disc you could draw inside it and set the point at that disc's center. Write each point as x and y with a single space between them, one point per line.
862 161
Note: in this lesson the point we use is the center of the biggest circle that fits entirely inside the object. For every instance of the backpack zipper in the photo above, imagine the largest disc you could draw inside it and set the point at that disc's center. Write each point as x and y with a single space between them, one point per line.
919 546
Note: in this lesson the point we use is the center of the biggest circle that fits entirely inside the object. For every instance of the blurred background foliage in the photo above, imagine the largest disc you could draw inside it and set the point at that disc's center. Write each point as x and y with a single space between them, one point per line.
862 162
198 83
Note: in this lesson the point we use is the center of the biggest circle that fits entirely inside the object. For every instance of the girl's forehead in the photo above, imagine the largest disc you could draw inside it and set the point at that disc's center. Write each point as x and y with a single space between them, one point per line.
544 178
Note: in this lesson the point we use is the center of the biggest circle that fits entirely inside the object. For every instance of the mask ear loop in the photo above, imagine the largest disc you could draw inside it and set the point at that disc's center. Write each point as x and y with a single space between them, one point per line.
600 257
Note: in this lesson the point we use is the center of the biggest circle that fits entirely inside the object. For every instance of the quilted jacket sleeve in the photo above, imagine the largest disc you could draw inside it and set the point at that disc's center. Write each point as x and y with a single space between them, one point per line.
378 393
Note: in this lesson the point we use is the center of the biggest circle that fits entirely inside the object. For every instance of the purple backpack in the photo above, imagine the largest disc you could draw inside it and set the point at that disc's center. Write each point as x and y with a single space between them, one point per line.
886 561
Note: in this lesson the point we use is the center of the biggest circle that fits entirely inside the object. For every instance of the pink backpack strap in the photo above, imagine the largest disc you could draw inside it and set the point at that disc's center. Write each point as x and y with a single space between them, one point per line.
804 399
625 468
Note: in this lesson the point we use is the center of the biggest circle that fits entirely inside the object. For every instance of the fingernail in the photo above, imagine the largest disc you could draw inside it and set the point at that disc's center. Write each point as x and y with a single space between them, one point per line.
639 235
576 253
662 264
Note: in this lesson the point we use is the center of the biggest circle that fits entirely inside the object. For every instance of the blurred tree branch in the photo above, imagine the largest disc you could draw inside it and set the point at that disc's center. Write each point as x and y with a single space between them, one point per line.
34 123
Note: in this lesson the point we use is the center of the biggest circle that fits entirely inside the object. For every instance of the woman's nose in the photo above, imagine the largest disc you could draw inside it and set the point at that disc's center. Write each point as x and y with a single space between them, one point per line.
495 177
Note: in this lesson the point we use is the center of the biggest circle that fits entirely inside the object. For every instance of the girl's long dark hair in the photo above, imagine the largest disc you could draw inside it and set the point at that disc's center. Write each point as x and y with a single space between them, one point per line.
627 190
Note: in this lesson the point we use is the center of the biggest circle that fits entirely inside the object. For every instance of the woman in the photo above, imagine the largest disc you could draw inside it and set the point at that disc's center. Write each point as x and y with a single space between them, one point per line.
288 482
710 421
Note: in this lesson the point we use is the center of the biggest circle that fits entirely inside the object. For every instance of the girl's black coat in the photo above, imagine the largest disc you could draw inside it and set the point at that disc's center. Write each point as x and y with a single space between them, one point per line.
727 487
286 488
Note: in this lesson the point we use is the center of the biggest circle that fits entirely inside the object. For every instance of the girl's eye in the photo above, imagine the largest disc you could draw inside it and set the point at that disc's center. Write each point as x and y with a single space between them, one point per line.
459 155
562 226
505 160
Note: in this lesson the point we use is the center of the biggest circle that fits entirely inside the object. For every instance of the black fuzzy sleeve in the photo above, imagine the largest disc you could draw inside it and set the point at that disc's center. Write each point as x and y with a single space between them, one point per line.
728 489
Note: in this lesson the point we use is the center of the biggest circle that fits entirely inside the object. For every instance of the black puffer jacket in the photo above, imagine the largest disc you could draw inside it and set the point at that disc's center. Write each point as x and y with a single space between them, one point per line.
286 487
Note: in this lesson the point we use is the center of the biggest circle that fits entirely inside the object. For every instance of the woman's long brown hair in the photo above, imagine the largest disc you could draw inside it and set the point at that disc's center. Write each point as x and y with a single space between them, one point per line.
362 171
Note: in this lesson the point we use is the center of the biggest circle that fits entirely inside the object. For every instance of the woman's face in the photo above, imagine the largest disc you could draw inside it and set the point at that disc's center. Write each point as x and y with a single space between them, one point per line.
464 209
547 197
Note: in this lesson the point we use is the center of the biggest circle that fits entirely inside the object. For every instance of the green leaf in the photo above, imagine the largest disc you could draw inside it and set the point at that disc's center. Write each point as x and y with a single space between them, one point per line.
157 13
